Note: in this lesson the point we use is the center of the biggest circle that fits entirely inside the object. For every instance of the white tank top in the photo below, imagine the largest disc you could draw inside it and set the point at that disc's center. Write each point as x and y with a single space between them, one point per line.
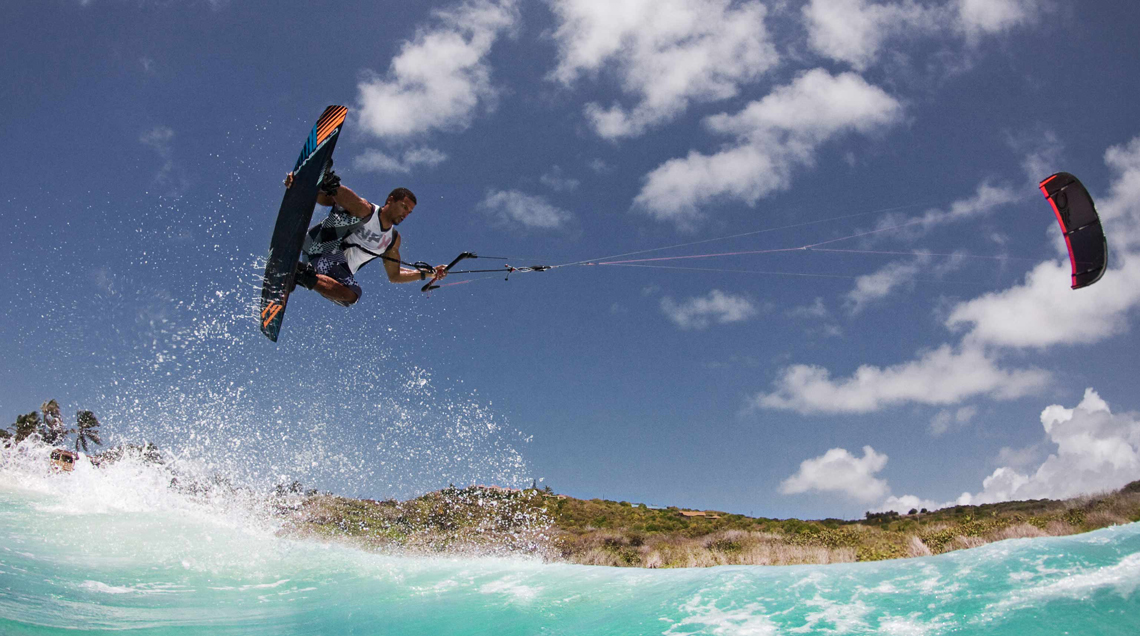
368 241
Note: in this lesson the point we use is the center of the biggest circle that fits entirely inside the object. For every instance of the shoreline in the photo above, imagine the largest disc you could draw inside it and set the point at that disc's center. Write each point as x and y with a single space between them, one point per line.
560 529
495 521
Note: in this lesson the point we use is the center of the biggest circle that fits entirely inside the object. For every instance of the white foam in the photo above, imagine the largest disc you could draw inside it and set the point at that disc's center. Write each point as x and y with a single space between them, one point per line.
843 617
910 625
1123 578
103 588
511 588
746 620
145 589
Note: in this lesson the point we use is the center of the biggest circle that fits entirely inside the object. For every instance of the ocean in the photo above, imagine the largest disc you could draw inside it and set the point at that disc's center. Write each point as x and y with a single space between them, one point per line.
117 549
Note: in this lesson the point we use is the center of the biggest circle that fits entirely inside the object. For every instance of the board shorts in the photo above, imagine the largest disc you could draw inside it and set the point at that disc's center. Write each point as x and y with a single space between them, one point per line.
334 265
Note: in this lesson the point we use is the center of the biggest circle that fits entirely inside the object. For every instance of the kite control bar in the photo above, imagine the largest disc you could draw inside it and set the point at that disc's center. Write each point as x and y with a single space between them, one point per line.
508 269
431 283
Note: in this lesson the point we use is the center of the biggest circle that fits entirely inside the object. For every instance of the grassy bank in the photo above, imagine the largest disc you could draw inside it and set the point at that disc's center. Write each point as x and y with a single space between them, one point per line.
616 533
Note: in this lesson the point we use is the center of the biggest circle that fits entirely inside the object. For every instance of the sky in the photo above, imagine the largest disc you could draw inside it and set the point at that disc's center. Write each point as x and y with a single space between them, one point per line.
926 350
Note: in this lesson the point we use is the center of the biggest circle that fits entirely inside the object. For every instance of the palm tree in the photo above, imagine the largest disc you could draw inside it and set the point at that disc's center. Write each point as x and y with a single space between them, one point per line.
87 430
52 429
25 425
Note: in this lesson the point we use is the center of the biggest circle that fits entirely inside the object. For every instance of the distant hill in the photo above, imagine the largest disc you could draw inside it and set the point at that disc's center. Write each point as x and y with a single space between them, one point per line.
488 520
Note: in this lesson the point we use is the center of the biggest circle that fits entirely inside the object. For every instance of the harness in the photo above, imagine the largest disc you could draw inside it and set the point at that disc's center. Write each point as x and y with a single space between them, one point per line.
368 241
360 240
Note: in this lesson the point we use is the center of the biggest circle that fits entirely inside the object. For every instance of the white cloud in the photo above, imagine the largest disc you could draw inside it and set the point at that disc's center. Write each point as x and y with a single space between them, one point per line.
161 140
377 161
1120 212
982 17
873 287
810 110
700 312
1039 312
815 310
772 137
985 200
439 80
855 31
424 156
1019 457
811 315
943 376
599 166
906 503
675 189
839 471
947 419
1042 150
666 53
557 181
158 138
1047 312
516 209
1043 311
1096 450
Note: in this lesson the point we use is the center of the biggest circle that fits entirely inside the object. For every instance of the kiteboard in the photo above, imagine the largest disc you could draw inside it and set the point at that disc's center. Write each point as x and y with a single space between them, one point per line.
293 219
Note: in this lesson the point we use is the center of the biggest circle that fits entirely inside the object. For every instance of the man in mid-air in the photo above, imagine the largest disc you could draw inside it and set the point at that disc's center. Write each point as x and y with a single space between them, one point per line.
354 233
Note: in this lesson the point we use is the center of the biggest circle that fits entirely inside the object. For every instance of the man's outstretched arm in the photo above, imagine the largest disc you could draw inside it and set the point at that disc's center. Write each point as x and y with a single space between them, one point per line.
397 274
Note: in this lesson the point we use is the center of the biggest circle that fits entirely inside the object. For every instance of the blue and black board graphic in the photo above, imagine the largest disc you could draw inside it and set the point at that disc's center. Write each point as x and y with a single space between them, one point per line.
294 217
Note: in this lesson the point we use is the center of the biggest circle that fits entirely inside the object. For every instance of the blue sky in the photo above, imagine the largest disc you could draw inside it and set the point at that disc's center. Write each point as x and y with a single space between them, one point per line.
941 358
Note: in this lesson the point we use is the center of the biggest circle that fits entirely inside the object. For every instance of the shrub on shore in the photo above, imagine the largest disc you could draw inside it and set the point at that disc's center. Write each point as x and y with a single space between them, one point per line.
619 534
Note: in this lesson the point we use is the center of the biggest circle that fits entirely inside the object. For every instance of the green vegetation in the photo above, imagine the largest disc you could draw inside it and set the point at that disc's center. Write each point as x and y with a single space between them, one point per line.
87 430
454 520
489 520
617 533
51 428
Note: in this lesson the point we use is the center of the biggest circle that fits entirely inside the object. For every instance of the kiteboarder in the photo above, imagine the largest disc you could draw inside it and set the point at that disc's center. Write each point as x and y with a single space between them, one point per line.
354 233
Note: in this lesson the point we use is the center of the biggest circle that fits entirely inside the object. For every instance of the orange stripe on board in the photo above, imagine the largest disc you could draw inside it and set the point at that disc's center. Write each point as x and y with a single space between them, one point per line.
265 324
323 122
323 133
330 115
276 310
324 130
337 114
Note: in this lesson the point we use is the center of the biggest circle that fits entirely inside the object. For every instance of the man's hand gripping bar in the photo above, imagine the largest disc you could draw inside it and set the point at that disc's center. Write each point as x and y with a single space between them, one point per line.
431 283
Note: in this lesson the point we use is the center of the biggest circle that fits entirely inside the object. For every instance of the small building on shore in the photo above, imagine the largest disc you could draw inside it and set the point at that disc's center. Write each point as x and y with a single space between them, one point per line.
699 513
63 460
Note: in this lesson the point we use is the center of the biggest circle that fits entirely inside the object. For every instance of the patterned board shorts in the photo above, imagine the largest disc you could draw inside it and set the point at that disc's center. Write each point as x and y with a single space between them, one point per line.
334 265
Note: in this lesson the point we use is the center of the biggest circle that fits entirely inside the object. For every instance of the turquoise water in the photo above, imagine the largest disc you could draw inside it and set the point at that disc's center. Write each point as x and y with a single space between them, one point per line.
117 549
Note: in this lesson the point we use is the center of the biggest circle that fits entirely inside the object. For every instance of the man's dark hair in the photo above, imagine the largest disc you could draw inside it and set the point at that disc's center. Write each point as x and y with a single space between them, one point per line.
399 194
